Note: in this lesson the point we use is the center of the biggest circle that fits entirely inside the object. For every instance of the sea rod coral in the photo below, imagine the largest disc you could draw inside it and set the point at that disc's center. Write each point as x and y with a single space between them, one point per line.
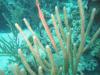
71 51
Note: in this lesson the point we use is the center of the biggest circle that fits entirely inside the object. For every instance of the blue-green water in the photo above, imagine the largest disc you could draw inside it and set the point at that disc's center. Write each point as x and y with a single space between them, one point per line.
70 34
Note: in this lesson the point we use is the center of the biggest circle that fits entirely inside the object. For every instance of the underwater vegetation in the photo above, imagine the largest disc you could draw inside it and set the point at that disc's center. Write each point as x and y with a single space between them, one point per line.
94 4
61 54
